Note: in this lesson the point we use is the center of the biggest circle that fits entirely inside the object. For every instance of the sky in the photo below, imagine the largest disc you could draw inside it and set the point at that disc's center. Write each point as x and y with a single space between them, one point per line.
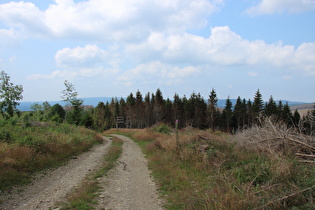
112 48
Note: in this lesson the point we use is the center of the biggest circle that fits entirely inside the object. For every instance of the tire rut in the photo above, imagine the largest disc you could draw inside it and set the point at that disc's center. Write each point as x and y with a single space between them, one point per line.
129 185
52 187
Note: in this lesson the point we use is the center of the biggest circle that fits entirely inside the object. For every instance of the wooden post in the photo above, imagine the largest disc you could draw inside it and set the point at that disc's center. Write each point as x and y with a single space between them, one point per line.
176 131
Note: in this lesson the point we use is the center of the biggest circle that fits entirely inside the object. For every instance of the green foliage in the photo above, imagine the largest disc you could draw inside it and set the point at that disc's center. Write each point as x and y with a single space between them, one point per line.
258 103
25 150
56 113
5 136
162 128
9 95
212 173
86 119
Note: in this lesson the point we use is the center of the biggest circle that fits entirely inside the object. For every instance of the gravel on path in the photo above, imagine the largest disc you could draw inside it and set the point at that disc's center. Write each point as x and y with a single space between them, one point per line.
52 187
129 186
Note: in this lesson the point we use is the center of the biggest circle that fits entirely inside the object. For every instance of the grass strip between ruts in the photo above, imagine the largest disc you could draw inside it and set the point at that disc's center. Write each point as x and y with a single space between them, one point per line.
83 196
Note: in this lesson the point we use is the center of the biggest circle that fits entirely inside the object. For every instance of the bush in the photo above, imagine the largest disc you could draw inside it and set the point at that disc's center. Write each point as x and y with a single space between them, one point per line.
162 128
5 136
25 150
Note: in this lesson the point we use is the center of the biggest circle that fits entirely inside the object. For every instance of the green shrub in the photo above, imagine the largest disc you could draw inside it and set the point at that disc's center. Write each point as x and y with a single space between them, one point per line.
5 136
163 128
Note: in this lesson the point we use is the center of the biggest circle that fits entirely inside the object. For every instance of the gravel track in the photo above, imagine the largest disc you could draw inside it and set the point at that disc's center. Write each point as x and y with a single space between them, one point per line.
129 185
52 187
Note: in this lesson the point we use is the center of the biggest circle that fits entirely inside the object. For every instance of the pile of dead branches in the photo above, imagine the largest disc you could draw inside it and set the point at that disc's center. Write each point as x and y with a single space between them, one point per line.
277 139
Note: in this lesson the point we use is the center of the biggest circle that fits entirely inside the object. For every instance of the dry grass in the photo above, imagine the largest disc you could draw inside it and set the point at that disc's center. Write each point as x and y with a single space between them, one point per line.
276 139
213 170
29 150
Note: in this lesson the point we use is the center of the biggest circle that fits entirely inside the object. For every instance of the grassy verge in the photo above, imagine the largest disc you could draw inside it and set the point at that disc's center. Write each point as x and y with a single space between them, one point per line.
83 196
212 171
25 150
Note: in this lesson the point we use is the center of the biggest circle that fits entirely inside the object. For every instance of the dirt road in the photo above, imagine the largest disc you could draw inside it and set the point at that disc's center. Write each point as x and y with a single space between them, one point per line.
44 192
129 185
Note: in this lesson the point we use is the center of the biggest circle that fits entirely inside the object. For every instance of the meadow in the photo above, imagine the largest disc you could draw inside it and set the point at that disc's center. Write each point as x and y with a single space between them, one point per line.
258 168
28 148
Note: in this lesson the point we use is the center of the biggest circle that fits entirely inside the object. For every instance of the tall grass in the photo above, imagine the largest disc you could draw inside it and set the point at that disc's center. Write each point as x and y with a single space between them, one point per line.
25 150
213 170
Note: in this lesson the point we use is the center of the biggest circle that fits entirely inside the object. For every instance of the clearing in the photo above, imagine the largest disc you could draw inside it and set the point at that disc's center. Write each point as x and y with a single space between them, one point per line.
128 186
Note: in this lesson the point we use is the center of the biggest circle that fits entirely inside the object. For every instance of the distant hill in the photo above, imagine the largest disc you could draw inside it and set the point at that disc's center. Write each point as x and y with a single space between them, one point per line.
303 109
93 101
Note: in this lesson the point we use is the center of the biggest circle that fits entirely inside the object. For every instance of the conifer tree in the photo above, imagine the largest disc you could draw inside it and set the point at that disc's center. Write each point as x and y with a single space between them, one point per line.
148 110
287 114
296 118
200 112
239 112
158 106
271 107
178 111
258 103
250 116
168 111
213 100
227 114
99 117
139 109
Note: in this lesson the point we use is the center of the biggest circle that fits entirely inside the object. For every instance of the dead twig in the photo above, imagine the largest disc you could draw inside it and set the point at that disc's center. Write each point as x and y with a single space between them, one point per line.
302 143
286 197
307 161
204 138
305 155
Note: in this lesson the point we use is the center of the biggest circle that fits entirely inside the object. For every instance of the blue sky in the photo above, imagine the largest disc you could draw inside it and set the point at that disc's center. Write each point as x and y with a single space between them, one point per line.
111 48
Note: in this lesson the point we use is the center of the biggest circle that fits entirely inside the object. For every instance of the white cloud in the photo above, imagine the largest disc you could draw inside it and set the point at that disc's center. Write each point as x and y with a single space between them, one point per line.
223 48
24 17
87 61
155 72
107 20
280 6
9 36
88 56
70 74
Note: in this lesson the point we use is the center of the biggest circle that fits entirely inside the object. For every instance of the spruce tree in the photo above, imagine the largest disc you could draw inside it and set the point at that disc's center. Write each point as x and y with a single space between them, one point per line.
287 114
99 117
227 114
178 111
238 112
130 110
258 103
296 118
213 100
148 110
271 107
139 109
250 116
158 106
